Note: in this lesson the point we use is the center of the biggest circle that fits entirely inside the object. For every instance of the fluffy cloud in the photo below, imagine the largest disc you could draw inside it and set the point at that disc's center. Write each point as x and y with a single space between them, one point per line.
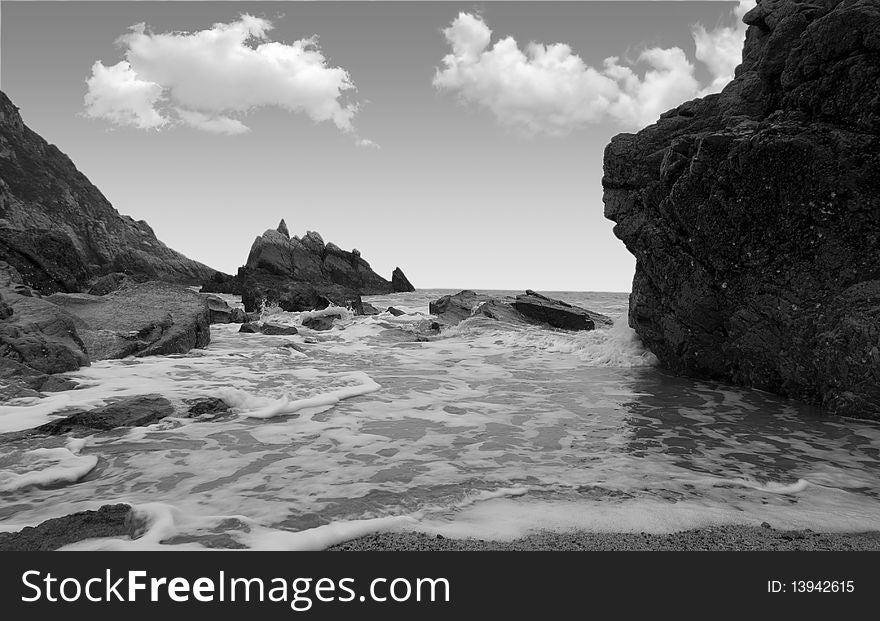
549 89
209 78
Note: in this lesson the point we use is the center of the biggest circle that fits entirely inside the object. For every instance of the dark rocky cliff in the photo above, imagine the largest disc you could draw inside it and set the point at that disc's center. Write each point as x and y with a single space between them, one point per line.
59 231
754 214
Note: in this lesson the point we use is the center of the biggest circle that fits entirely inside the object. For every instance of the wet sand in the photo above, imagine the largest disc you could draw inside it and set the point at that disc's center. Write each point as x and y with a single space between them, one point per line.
728 538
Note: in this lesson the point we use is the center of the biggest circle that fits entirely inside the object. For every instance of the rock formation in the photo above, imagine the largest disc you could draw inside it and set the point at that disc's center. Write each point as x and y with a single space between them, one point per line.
301 274
59 231
754 214
530 307
399 282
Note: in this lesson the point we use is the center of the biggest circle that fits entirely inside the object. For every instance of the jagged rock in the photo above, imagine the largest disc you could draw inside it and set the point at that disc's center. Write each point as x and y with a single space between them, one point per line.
108 521
136 411
274 329
59 231
557 313
145 319
249 328
754 214
399 282
300 274
395 311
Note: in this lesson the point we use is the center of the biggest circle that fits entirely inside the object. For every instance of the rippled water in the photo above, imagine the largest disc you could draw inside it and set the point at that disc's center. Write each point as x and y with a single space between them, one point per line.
489 430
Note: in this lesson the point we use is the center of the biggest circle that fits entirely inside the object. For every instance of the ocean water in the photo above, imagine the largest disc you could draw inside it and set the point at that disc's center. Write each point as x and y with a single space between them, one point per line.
489 430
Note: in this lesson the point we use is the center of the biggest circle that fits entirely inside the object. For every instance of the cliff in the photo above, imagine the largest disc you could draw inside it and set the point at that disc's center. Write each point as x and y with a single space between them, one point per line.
754 214
59 231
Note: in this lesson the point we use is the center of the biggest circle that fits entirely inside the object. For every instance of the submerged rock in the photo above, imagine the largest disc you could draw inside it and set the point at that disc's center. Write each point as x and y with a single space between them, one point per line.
108 521
203 406
146 319
400 283
275 329
754 214
250 328
395 311
137 411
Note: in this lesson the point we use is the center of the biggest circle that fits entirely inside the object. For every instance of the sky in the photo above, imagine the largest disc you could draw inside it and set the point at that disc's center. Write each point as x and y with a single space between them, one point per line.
461 141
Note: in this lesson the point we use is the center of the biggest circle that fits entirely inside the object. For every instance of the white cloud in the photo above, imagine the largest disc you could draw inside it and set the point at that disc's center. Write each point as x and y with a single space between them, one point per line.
212 124
367 144
118 95
549 89
720 49
210 78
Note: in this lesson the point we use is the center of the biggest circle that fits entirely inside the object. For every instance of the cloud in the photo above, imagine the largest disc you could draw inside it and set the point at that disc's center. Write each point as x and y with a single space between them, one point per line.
549 89
211 78
367 144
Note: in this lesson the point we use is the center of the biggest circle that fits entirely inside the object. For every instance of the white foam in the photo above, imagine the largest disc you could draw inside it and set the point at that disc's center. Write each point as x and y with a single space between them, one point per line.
31 412
47 466
330 311
359 383
163 522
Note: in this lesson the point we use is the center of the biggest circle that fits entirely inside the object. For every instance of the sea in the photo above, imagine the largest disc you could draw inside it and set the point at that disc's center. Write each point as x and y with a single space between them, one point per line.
487 430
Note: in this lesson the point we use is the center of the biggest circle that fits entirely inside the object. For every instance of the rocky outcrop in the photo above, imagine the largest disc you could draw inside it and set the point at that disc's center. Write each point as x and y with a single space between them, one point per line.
754 214
557 313
59 231
530 307
108 521
301 274
145 319
399 282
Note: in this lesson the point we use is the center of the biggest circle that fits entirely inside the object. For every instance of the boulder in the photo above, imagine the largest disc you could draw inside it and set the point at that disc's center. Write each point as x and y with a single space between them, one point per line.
320 323
557 313
293 296
151 318
108 521
138 411
274 329
399 282
250 328
38 337
221 312
395 311
59 231
368 309
530 307
754 214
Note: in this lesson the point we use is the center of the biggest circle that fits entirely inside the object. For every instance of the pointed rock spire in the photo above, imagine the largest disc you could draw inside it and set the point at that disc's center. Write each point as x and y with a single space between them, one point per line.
282 228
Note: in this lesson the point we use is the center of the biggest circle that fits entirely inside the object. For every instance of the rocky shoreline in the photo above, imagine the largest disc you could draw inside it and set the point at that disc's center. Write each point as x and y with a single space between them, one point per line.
716 538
